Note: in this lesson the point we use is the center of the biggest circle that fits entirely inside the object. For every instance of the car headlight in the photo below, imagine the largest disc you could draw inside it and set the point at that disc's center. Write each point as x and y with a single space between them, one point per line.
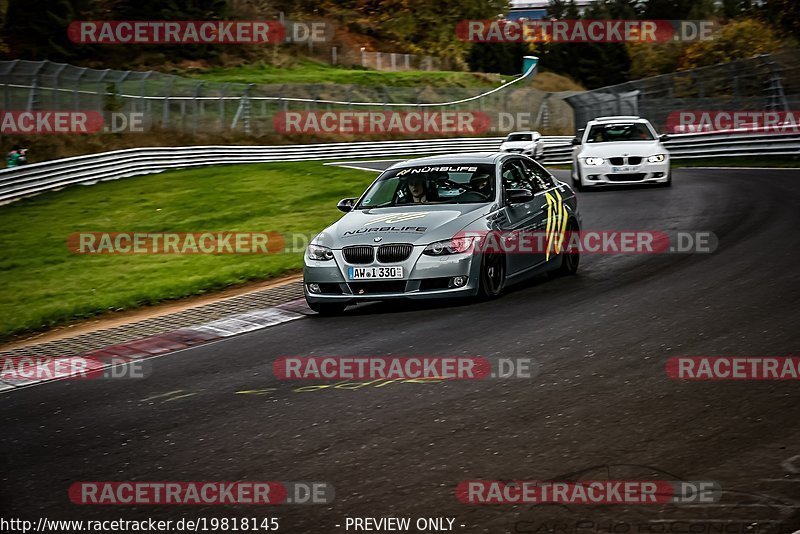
457 245
594 161
658 158
319 253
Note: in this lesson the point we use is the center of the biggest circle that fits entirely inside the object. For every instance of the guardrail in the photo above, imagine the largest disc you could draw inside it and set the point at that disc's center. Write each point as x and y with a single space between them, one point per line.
52 175
19 182
706 145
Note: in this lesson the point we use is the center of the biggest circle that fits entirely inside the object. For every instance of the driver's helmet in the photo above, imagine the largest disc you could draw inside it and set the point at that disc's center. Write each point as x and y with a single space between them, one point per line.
481 183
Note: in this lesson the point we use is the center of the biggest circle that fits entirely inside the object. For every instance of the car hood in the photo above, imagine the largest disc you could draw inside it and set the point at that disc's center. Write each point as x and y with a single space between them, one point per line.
418 225
622 148
517 144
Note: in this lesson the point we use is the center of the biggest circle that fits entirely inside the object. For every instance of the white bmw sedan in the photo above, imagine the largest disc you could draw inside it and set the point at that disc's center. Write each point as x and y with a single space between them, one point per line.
619 151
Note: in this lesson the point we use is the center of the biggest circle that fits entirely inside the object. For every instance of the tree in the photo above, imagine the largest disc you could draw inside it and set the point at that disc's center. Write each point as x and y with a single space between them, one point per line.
740 39
784 14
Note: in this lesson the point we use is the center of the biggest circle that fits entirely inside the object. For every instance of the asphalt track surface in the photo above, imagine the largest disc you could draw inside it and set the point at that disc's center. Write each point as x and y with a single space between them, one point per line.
601 406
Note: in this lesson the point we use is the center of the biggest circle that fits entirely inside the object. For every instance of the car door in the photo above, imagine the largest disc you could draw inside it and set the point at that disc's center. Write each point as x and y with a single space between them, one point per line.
552 216
523 218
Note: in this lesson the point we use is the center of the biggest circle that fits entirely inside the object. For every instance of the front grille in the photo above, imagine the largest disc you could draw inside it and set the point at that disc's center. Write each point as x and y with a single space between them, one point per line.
394 253
632 160
632 177
384 286
358 254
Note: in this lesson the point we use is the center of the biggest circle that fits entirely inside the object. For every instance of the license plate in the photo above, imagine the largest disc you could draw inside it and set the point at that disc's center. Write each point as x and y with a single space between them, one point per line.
379 273
620 169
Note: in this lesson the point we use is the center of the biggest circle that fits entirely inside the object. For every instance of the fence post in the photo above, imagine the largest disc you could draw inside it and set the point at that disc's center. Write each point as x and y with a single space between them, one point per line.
223 93
57 83
243 111
76 92
165 111
32 95
408 61
378 61
334 59
142 91
196 94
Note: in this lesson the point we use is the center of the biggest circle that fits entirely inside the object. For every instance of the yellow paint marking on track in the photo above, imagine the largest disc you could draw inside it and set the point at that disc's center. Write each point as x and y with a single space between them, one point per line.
162 395
180 397
265 391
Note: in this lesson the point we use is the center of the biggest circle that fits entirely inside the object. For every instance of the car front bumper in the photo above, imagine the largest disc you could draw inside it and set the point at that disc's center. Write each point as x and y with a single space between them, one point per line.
607 174
424 277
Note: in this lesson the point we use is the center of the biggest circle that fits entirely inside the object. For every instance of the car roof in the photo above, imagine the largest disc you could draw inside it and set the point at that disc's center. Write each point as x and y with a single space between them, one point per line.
524 132
454 159
616 118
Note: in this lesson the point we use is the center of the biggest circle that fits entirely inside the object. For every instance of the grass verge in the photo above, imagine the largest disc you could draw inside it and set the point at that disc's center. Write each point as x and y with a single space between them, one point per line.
308 72
44 284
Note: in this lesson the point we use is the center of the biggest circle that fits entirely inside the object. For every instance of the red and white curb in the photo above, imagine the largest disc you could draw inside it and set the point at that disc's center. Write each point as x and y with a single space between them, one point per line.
140 349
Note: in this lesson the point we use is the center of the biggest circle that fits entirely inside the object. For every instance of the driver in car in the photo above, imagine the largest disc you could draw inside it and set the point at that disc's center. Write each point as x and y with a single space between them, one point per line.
480 184
416 187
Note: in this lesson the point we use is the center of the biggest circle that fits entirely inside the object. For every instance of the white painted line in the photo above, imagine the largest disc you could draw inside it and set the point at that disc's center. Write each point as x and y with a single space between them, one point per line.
269 316
247 322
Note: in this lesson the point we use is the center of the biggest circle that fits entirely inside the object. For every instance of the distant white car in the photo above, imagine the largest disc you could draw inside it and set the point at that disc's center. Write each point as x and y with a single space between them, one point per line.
529 143
619 151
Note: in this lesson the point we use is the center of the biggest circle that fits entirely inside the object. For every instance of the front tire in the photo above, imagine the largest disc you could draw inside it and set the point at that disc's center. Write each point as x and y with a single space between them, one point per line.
569 260
492 276
668 183
327 308
576 181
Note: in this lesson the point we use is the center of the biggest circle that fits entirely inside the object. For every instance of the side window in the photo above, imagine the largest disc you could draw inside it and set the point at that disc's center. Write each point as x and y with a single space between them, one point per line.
538 176
515 176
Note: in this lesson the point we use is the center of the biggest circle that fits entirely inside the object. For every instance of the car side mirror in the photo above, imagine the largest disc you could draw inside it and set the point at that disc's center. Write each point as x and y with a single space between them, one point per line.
518 196
576 140
346 204
663 138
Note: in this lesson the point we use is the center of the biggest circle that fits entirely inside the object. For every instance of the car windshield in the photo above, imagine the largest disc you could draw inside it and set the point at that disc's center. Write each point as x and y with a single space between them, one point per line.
432 184
605 133
520 137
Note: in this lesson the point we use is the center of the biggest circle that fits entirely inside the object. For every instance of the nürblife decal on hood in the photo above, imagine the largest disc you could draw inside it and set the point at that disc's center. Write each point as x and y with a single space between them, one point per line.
389 220
414 229
396 218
